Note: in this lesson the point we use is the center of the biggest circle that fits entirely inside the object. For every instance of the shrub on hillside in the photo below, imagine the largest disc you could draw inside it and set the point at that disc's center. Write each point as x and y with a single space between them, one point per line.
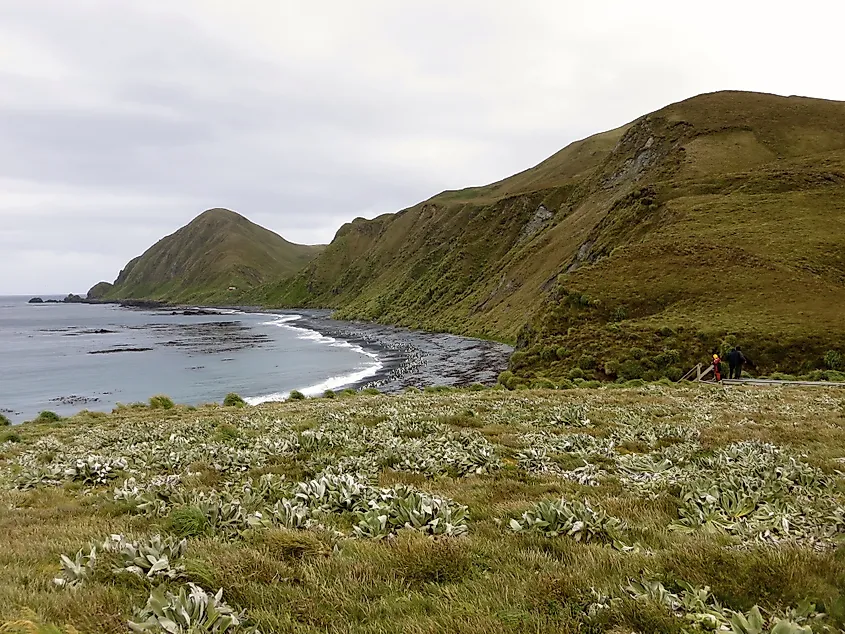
576 373
476 387
631 369
652 375
780 376
329 394
542 384
587 362
667 358
515 382
518 359
619 314
505 376
549 354
637 353
296 395
566 384
591 385
611 368
635 383
371 391
161 402
4 421
48 417
674 374
833 360
665 331
562 353
233 400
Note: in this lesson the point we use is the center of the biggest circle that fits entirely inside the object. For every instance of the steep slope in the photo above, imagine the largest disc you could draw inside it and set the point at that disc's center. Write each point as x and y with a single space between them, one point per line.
719 217
200 262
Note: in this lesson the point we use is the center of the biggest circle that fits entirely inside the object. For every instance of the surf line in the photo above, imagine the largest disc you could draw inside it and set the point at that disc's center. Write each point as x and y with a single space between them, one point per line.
331 383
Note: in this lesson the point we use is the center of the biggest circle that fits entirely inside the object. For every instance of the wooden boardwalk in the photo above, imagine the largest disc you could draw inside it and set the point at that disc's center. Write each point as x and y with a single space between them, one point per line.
775 382
700 374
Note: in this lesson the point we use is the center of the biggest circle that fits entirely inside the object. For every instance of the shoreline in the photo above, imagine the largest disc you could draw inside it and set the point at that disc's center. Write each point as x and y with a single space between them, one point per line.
403 357
412 358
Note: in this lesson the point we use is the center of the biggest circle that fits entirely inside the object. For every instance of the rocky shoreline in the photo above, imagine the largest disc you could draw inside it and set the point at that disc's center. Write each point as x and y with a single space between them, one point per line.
413 358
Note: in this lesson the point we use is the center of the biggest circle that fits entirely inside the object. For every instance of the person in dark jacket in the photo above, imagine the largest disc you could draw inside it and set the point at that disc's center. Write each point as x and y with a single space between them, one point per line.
735 362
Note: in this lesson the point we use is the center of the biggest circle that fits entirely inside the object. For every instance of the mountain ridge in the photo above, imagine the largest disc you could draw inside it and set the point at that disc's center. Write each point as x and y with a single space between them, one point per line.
665 223
217 255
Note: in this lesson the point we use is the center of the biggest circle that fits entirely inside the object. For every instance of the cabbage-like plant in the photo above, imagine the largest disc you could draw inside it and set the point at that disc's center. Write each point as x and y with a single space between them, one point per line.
77 570
333 493
290 514
536 460
149 558
404 507
190 611
575 519
95 470
573 415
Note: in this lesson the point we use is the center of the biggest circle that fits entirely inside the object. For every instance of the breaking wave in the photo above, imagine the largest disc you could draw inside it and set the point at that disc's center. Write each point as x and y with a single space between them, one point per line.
332 383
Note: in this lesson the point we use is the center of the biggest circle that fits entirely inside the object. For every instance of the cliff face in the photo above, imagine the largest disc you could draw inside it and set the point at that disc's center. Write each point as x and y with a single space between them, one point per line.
715 218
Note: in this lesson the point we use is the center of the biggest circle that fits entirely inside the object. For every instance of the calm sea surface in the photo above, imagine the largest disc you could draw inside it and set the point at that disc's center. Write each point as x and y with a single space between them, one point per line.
68 357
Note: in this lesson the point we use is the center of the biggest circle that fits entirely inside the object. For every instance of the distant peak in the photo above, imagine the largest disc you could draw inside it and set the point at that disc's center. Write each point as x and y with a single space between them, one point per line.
220 213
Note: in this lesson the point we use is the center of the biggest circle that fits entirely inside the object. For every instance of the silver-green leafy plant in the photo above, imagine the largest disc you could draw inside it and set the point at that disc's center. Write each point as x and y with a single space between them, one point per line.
190 611
575 519
149 558
404 507
78 570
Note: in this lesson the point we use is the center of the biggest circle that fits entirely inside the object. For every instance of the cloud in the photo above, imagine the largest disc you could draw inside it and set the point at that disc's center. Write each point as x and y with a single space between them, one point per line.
122 121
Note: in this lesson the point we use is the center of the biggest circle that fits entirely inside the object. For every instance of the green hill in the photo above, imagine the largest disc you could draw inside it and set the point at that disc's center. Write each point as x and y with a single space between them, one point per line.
202 261
629 253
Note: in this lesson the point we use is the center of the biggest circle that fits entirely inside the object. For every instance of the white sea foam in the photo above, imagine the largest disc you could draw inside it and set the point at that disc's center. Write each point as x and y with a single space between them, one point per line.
332 383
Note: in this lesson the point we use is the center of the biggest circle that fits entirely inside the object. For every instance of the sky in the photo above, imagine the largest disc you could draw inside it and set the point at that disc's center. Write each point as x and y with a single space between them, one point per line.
120 120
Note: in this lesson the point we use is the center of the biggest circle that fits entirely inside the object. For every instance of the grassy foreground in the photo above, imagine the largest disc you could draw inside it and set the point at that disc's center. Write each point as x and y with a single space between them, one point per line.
658 509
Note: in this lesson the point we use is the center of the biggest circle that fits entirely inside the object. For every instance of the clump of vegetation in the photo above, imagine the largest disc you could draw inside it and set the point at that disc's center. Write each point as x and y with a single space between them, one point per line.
48 417
370 391
4 421
329 394
833 360
573 519
188 521
10 436
296 395
233 400
190 611
161 402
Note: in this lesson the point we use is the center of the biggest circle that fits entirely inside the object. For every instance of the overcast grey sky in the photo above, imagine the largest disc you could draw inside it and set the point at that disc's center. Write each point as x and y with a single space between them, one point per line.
120 120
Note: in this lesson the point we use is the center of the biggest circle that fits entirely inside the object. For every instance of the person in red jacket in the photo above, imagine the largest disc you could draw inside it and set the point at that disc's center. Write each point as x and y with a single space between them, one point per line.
717 365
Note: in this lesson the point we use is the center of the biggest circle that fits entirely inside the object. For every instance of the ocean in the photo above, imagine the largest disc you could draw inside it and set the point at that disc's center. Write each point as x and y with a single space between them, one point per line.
68 357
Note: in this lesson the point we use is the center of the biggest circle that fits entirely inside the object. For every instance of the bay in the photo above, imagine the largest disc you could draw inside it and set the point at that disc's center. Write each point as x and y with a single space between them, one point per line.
68 357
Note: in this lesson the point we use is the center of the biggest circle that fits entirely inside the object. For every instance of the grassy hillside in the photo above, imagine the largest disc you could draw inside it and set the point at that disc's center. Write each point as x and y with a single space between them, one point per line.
657 510
216 250
717 218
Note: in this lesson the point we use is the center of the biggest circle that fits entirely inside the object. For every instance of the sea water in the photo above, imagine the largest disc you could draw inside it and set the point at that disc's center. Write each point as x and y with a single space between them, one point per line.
68 357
